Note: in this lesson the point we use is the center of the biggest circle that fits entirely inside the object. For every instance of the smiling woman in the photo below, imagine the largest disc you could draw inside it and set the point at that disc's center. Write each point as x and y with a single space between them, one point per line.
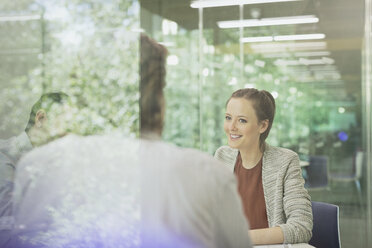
270 184
242 127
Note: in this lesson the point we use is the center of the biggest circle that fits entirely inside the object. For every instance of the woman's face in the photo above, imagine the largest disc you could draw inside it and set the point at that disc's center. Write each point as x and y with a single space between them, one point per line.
241 125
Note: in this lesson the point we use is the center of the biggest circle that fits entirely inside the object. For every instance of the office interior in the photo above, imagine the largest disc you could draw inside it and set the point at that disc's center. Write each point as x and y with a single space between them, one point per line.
314 56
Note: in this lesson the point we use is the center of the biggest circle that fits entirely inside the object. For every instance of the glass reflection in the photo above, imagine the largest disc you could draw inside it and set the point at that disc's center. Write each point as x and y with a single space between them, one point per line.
90 51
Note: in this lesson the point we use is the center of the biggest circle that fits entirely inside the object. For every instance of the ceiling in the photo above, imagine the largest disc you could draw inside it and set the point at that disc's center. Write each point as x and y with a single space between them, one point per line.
342 21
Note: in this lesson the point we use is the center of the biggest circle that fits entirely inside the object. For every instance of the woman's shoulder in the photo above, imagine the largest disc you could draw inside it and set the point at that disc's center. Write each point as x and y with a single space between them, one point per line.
279 151
224 151
280 161
226 154
279 156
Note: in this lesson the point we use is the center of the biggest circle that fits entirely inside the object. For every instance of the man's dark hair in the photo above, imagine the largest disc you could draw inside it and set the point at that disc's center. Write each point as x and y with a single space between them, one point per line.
152 65
45 102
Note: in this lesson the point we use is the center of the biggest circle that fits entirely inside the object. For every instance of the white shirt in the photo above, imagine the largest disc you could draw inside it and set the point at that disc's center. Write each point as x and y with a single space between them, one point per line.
116 192
15 146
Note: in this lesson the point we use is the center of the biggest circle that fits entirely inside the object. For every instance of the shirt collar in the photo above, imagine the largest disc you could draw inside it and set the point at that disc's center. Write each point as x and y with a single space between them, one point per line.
16 146
22 143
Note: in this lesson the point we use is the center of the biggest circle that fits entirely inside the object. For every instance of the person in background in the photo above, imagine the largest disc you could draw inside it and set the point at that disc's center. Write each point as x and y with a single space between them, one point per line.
37 132
111 191
49 118
270 184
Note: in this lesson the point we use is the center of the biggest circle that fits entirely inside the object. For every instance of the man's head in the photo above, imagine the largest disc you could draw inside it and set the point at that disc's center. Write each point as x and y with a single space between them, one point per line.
152 103
48 118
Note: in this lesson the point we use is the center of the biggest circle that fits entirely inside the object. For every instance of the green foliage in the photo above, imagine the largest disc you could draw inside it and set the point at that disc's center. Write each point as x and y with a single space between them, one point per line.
197 93
90 53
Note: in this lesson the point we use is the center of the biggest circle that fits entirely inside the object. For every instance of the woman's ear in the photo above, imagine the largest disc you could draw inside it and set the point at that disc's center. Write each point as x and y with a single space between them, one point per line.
264 125
40 118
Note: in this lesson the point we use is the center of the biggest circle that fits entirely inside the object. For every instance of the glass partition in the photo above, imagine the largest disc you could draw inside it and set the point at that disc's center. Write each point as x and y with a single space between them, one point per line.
308 54
21 48
367 110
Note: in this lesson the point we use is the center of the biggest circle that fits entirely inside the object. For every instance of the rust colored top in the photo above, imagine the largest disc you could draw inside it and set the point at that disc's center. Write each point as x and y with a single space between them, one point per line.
251 192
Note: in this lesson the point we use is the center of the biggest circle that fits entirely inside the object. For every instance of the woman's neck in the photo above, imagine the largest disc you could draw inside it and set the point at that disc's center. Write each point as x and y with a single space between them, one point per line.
250 157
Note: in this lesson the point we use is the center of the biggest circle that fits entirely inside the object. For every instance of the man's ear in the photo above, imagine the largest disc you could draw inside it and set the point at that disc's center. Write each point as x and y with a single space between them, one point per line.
40 118
264 125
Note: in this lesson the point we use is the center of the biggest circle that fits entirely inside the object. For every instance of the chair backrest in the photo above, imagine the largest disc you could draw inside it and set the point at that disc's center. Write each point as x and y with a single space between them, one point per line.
358 164
326 232
317 172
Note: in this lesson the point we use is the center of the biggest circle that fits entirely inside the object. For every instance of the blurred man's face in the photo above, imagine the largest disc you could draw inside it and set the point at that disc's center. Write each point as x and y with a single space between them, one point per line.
54 122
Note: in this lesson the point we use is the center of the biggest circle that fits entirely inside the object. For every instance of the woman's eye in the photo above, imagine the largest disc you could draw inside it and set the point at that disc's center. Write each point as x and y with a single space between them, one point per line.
227 118
242 121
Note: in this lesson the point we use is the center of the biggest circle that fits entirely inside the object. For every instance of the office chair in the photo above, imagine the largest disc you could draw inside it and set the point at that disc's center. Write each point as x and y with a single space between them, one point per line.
326 232
317 173
354 177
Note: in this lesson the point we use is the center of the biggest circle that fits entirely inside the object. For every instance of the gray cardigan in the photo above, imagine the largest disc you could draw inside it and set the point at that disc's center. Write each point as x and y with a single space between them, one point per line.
288 204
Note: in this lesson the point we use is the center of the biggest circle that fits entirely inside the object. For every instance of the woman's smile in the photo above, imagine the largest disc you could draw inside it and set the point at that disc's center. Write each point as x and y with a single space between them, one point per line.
235 136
